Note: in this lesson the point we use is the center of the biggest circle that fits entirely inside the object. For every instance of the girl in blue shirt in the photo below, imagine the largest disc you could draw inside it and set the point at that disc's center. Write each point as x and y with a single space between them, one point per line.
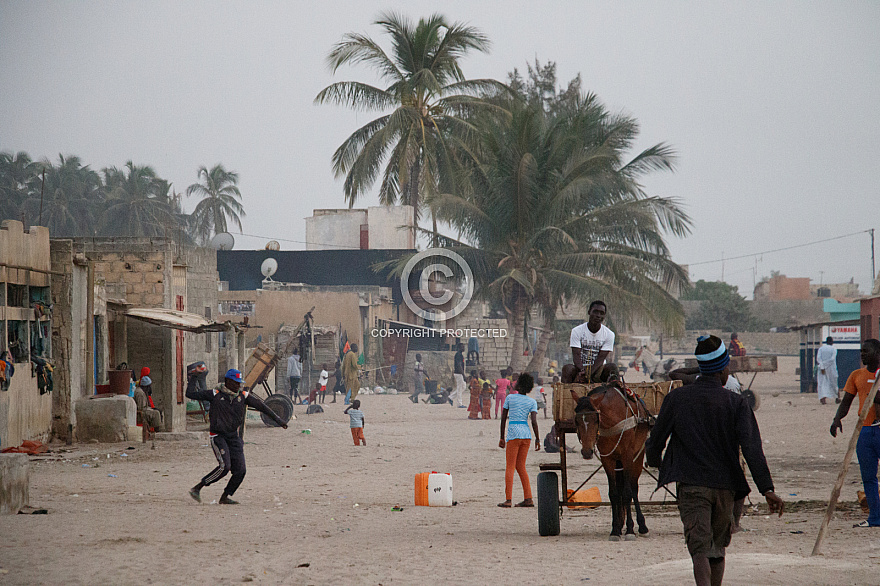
519 408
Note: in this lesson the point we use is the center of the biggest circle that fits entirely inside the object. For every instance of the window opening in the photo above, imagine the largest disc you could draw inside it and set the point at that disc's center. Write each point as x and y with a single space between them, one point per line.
17 295
17 340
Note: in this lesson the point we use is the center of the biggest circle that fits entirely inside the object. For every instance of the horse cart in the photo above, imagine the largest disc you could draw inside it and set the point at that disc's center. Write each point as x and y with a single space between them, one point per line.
550 505
745 365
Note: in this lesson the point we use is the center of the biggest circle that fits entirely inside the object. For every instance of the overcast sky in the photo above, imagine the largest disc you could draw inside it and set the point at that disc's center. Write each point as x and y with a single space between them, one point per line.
772 106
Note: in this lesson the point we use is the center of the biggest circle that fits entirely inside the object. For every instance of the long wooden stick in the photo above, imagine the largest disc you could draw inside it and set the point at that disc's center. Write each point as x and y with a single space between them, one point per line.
844 468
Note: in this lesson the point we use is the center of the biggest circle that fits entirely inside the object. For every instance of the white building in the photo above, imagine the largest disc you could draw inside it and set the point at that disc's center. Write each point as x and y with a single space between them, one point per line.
379 227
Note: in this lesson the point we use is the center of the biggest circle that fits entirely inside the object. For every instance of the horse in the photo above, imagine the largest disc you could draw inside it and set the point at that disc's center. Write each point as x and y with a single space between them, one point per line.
617 427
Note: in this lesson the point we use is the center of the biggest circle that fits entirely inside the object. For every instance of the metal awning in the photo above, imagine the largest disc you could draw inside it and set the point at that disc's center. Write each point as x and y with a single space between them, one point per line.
178 320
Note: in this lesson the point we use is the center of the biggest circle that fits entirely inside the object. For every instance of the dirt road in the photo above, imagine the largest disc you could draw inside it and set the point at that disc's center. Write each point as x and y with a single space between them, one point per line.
315 509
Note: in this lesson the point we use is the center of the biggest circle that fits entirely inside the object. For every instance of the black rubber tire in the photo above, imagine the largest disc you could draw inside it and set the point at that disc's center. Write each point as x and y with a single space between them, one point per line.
548 504
286 398
282 407
753 399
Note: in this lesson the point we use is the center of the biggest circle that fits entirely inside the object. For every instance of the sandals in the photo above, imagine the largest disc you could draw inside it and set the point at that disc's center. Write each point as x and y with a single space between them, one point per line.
528 503
505 505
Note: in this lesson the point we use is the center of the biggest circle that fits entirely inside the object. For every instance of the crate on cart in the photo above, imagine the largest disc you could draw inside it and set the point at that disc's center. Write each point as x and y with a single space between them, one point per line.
563 402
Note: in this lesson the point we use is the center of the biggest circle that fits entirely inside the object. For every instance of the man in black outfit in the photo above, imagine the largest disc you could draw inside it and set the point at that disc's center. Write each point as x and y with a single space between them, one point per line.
706 425
227 412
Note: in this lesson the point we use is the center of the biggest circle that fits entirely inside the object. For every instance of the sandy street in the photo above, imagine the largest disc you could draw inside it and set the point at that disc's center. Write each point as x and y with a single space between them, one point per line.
317 510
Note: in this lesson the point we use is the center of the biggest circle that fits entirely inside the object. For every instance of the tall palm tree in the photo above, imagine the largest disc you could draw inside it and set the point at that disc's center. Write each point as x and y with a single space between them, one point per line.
555 215
137 202
219 205
426 100
71 195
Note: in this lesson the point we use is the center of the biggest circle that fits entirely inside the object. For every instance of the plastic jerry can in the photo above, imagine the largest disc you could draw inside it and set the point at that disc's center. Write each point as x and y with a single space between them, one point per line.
433 489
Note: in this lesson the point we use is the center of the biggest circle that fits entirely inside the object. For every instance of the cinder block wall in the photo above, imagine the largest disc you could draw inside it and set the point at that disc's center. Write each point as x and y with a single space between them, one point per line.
139 271
202 299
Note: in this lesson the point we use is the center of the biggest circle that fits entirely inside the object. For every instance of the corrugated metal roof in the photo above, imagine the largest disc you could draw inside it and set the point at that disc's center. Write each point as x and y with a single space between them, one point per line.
178 320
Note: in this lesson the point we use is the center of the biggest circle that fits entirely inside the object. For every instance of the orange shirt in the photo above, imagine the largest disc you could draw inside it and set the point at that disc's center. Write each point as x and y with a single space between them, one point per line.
860 382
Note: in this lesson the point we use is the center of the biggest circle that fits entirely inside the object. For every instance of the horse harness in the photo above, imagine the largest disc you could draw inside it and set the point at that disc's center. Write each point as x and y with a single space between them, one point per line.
623 426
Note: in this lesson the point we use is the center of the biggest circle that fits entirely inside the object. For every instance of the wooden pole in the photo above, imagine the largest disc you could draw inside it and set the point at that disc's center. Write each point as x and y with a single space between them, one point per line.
844 468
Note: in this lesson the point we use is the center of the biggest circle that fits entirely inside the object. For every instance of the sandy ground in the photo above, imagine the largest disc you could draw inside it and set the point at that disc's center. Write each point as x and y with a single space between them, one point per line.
318 510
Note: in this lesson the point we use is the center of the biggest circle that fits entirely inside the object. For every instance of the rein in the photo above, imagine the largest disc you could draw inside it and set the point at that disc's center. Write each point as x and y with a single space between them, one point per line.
620 428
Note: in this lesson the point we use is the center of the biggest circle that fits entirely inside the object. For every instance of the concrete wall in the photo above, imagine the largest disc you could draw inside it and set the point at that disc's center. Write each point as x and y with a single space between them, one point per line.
201 298
870 317
328 229
384 227
24 413
787 343
69 330
789 313
341 228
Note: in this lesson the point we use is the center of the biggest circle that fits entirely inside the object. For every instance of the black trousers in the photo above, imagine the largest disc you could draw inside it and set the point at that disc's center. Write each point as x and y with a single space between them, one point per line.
229 450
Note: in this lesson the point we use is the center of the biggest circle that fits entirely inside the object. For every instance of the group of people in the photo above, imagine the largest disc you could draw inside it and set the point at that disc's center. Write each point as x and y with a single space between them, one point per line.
483 391
696 440
705 425
345 376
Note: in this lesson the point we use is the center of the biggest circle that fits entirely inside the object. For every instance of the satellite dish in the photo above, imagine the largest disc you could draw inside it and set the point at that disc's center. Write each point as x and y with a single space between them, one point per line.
273 245
268 268
222 241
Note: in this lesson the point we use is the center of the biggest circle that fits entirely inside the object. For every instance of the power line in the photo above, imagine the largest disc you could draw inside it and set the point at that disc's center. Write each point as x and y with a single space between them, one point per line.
725 259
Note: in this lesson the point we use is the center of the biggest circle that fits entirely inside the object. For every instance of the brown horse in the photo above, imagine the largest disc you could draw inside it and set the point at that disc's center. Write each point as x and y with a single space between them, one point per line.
616 426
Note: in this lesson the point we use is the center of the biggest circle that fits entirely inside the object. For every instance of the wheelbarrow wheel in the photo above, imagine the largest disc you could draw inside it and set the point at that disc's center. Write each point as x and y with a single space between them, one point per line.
281 405
753 399
548 504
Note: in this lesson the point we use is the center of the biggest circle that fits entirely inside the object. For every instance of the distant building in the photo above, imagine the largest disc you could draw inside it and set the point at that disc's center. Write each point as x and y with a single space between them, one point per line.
843 292
379 227
841 311
782 288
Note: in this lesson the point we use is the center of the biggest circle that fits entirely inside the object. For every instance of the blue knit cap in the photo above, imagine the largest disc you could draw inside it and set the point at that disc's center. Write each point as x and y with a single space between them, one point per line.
711 354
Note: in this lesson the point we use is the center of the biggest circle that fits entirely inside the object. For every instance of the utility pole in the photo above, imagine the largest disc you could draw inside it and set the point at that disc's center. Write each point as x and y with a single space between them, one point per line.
43 186
722 266
873 269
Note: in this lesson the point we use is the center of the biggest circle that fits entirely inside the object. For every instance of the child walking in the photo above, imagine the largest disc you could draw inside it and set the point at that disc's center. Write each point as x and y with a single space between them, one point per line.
520 409
322 382
356 417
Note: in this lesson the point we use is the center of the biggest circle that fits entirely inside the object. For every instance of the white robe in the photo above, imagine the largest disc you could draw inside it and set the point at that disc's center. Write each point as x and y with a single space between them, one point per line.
826 358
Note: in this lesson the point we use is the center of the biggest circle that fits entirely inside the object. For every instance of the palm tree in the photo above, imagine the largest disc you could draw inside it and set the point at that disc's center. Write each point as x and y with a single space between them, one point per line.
219 205
17 175
555 215
137 202
71 194
427 100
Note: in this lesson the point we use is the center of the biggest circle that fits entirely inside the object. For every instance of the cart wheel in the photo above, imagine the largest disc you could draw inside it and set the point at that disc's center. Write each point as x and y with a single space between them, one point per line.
287 399
282 408
548 504
753 399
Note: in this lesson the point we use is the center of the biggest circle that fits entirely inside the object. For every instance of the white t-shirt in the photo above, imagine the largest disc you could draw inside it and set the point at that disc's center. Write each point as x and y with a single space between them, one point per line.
591 344
322 379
